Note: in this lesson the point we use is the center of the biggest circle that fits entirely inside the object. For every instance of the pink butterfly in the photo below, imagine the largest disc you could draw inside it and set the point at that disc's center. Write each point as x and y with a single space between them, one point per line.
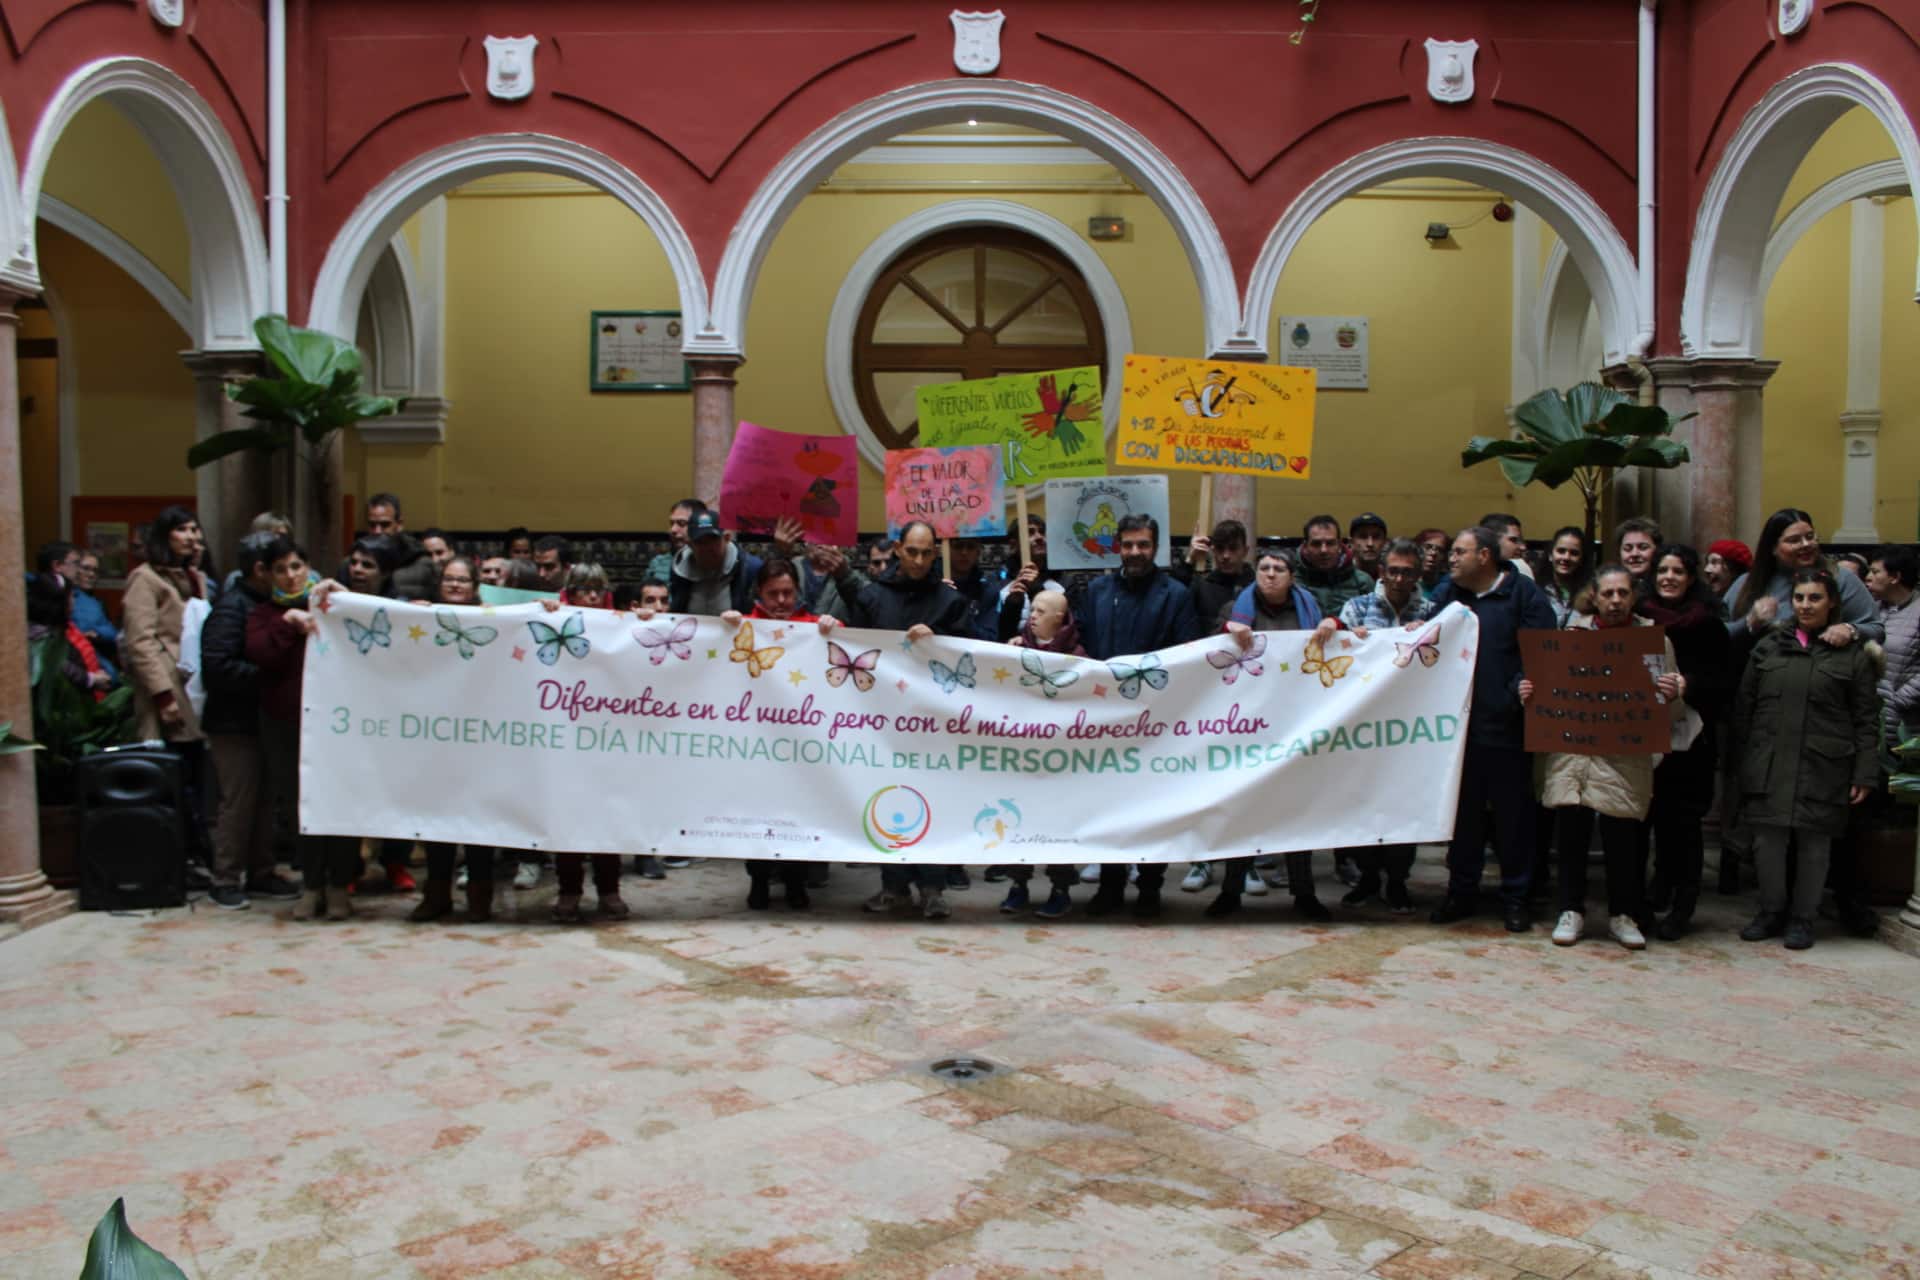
1425 646
660 643
840 666
1231 662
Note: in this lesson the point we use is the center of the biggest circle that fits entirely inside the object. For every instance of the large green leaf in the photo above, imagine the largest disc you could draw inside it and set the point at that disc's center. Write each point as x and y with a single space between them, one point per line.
314 391
1589 403
115 1253
1544 418
1631 418
13 745
222 443
306 355
1519 471
1656 452
1486 448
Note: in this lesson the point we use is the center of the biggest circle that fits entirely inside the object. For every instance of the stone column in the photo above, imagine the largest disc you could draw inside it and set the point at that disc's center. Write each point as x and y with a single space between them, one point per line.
25 895
1723 481
1233 494
1860 423
233 490
713 422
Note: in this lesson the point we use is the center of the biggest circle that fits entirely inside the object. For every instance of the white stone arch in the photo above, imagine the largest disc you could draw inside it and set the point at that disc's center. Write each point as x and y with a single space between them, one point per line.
946 102
1564 322
227 245
115 248
1882 178
385 323
1593 242
365 235
1724 307
17 267
889 244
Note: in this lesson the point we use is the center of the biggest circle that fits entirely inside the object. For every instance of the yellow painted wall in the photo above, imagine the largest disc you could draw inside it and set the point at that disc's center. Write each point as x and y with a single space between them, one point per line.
1807 332
104 168
1855 139
1898 504
39 434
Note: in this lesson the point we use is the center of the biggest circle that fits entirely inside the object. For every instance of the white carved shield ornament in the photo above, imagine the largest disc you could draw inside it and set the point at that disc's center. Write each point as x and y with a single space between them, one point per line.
1794 15
976 42
510 66
168 13
1450 69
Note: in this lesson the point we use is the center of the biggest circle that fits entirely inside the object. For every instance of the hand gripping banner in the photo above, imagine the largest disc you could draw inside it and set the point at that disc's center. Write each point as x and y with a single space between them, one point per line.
590 731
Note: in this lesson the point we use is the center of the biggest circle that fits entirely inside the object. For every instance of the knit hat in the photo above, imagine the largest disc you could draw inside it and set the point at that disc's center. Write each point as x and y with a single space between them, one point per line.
1734 552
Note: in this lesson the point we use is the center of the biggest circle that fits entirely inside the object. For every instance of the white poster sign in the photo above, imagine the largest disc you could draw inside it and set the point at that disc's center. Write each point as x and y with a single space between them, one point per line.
1083 519
590 731
1335 347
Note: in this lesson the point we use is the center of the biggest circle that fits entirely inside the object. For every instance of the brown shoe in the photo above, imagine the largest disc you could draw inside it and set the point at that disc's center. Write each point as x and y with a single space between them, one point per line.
435 901
479 901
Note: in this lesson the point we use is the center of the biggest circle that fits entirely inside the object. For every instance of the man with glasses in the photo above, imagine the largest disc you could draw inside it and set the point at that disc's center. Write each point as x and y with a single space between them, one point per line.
90 615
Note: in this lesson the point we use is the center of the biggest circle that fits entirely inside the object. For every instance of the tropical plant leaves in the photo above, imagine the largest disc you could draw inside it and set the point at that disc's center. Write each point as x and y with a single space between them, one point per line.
115 1253
1589 427
314 390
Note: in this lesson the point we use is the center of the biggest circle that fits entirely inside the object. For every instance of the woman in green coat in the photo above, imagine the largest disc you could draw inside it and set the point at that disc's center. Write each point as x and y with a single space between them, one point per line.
1807 714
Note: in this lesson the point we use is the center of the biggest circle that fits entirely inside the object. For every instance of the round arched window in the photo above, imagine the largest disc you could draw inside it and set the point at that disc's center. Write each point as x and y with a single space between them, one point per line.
972 302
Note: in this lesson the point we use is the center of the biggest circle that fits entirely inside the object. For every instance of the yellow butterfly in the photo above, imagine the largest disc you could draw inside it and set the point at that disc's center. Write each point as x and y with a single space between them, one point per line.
757 660
1319 664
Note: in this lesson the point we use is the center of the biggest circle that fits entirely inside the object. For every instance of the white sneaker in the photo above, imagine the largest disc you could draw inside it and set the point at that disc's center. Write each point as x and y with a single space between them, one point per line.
1090 874
1255 885
460 878
1625 932
933 905
1567 932
1273 871
526 875
1199 876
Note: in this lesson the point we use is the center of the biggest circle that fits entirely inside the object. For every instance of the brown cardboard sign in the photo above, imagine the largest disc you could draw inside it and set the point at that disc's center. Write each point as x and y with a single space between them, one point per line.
1593 691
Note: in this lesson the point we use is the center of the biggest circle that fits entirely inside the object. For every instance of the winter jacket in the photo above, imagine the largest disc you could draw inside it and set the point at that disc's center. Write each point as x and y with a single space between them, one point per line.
1123 616
835 596
279 653
733 583
91 617
1698 637
1514 605
982 595
1301 612
1856 606
151 614
895 603
1614 786
1900 683
1373 610
1332 588
233 683
1213 592
1807 727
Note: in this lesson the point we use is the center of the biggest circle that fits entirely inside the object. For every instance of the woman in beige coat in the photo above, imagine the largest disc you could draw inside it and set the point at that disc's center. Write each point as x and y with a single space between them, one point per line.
1614 790
154 608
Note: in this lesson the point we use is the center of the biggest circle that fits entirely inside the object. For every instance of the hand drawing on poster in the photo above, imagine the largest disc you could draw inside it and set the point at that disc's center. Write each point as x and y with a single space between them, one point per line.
1046 424
1216 415
1084 516
772 474
961 492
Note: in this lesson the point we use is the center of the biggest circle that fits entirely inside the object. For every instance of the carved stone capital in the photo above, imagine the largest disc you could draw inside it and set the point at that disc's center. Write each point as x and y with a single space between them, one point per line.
1861 422
421 420
223 366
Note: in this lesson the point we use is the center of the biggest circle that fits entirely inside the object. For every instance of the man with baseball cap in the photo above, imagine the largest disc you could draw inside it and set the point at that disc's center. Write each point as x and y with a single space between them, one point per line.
1366 540
710 574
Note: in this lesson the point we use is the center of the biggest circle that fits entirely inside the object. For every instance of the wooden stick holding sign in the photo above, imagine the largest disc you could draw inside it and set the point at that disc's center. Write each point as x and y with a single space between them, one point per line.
1203 523
1026 540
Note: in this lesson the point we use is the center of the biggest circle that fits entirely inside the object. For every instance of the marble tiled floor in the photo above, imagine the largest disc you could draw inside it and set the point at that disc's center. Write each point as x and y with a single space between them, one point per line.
706 1091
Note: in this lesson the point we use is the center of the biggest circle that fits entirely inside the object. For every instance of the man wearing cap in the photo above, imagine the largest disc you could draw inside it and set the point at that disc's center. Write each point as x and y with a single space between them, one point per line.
1327 570
1366 541
710 574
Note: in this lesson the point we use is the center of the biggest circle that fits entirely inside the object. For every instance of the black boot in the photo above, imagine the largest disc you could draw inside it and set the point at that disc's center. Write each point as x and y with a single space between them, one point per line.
1729 870
1673 926
1224 905
798 899
760 895
1767 924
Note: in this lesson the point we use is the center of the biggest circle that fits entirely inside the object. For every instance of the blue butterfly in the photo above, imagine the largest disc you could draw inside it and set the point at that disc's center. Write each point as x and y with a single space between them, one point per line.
467 638
571 634
951 678
1131 674
379 632
1050 682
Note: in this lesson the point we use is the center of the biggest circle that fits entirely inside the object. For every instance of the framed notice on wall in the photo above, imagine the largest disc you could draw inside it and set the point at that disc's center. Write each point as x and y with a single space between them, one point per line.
1334 347
638 351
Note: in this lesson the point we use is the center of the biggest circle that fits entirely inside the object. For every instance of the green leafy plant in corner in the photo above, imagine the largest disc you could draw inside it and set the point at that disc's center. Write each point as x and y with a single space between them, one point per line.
1905 782
313 391
1584 435
11 744
67 723
115 1253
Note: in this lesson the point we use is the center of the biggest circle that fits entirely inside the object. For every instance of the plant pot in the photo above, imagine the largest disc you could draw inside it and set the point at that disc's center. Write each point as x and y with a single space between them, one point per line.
1884 852
60 844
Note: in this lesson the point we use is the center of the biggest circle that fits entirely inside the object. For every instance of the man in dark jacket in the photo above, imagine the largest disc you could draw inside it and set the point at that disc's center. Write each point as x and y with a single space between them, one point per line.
243 823
1497 771
1217 588
981 592
710 574
1134 610
1326 569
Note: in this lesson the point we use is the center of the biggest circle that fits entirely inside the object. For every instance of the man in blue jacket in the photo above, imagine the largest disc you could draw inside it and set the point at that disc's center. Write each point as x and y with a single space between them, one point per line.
1134 610
1497 771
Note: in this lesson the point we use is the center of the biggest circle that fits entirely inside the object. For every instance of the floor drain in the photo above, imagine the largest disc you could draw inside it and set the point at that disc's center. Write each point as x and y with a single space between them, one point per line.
963 1068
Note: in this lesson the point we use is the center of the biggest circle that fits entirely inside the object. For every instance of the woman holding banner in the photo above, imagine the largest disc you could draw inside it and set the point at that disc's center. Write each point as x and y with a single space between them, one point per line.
459 584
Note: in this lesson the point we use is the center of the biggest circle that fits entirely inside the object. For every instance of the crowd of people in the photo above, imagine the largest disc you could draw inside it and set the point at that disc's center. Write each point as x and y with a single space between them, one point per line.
1792 676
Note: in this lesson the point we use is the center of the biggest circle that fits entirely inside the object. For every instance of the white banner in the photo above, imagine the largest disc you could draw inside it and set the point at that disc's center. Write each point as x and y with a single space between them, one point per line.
590 731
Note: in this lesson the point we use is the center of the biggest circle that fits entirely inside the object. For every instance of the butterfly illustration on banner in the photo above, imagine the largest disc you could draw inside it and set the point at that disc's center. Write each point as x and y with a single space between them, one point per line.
1231 662
1319 664
1425 646
842 666
377 632
759 661
661 641
467 639
570 635
1132 673
1050 682
949 678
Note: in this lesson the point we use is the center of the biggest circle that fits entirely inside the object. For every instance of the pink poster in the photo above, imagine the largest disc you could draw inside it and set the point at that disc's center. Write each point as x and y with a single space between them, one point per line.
961 492
814 479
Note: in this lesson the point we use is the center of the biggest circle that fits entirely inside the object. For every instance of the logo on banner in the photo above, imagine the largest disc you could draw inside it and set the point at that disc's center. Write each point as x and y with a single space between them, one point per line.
1096 520
897 817
995 822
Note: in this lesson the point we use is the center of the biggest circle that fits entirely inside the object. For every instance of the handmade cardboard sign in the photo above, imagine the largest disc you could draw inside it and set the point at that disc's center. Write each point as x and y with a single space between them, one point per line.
1084 519
1045 424
1216 415
962 492
814 479
1593 691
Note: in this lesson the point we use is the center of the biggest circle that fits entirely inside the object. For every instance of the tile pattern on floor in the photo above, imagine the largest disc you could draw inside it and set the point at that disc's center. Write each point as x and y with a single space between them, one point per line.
704 1091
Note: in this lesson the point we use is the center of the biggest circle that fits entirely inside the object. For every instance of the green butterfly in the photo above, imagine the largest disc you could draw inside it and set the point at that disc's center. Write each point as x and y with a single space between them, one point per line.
1051 683
467 638
1131 674
571 634
378 632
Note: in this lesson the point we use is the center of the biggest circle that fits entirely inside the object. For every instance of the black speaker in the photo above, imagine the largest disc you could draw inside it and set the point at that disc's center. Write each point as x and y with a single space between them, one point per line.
133 830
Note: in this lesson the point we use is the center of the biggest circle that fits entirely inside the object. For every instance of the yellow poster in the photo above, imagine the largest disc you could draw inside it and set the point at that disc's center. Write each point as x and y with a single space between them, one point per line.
1216 415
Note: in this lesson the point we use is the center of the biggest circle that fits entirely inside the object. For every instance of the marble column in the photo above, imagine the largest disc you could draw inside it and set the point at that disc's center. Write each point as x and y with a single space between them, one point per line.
1233 494
233 490
1723 481
1860 423
713 422
25 896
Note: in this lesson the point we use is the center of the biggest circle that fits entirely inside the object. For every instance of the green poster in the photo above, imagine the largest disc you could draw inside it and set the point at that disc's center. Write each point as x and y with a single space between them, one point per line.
1046 424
